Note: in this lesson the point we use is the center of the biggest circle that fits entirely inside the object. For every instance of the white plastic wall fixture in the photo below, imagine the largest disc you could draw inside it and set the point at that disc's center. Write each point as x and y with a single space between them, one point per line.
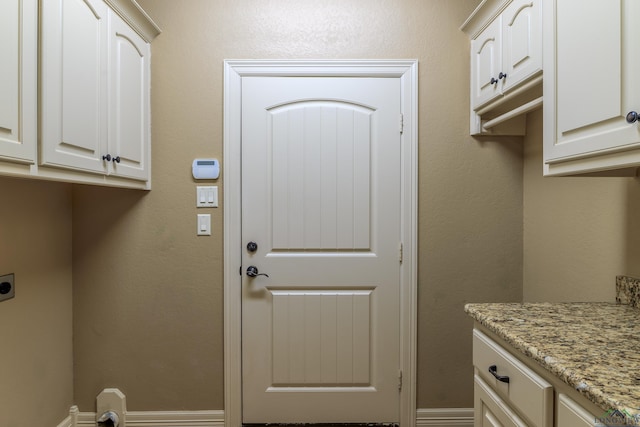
112 399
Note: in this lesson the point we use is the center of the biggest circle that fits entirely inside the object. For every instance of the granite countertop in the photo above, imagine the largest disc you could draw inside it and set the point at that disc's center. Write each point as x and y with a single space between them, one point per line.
593 347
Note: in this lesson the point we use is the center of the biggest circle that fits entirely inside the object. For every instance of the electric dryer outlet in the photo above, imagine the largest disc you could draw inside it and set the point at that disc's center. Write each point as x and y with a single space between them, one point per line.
7 287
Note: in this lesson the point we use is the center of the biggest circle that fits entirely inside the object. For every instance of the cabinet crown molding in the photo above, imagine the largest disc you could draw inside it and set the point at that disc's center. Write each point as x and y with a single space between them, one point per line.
131 12
482 16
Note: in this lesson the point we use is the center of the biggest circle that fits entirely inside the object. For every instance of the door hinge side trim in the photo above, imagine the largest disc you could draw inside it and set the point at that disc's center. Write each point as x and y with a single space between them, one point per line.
400 380
401 123
400 252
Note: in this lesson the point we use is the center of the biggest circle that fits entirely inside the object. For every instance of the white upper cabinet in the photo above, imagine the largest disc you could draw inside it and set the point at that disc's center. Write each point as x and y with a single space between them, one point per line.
521 42
506 59
102 122
486 64
591 89
18 80
74 84
75 91
129 121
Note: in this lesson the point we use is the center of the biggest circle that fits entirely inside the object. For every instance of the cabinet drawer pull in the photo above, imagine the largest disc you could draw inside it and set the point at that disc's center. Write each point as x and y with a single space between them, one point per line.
493 370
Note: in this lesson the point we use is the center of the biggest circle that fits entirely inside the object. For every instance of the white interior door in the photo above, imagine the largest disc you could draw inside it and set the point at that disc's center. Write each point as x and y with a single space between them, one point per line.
321 199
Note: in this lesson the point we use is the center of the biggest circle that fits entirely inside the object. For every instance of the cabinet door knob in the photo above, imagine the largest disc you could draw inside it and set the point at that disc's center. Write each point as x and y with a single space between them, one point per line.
107 157
632 117
502 76
494 80
116 159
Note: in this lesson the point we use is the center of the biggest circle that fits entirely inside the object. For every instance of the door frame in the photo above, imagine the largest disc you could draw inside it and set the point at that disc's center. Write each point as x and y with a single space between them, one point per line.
234 71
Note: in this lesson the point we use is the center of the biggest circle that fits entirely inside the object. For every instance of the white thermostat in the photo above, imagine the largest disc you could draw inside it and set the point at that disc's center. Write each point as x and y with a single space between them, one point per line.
206 168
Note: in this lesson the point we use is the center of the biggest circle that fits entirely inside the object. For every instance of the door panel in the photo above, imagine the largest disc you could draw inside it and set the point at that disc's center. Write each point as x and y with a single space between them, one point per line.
486 61
18 80
598 123
321 185
129 136
321 198
321 338
74 87
522 54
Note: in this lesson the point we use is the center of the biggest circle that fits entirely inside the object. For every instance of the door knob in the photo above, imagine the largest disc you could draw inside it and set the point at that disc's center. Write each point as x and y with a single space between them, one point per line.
252 246
502 75
633 117
494 80
252 271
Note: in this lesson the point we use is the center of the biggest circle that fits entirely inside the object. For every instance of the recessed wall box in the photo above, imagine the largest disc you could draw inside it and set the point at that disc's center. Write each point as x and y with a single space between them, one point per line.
205 168
7 287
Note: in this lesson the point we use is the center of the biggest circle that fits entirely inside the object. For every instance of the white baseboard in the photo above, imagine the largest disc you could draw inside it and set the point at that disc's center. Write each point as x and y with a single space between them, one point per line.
72 419
162 419
446 417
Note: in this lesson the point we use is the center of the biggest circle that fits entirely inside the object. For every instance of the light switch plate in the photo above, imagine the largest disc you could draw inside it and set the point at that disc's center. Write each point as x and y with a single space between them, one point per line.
7 287
204 225
207 196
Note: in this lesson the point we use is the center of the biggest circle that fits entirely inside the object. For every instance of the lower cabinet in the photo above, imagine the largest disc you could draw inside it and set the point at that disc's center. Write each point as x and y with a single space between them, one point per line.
490 410
508 392
521 389
570 414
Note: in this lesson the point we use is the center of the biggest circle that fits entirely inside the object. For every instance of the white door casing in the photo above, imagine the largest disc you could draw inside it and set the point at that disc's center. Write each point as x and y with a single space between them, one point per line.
405 75
320 196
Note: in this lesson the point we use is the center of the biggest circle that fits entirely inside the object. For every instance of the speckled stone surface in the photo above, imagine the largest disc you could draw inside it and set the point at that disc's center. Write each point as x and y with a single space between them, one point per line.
593 347
628 291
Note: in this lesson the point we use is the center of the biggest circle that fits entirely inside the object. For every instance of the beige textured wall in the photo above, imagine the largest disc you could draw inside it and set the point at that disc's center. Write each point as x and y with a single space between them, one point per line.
579 232
147 291
36 364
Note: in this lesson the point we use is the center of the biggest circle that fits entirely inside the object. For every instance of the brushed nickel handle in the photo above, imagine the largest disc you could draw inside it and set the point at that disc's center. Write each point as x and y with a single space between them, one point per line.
252 271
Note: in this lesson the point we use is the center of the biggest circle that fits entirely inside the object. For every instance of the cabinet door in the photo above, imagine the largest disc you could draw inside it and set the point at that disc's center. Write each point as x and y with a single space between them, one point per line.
18 79
129 101
490 410
521 41
526 391
74 84
486 60
592 81
570 414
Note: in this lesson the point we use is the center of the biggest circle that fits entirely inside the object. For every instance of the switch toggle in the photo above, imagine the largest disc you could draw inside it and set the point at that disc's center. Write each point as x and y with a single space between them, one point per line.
204 225
207 196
